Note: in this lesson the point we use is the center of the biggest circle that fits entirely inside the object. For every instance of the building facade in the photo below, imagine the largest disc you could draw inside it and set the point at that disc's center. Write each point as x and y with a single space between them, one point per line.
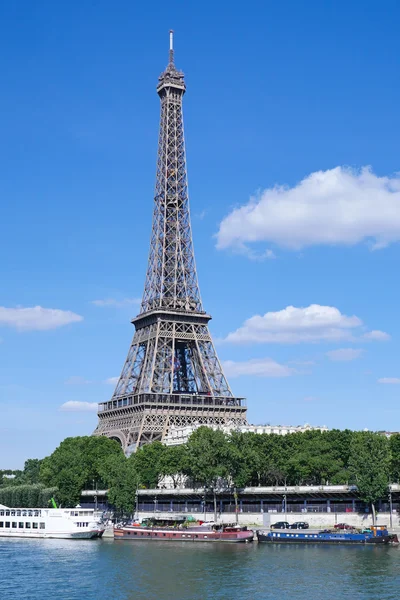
180 435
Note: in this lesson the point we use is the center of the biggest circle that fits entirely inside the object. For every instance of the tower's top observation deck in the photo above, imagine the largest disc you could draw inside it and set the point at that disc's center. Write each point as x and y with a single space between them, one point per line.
171 77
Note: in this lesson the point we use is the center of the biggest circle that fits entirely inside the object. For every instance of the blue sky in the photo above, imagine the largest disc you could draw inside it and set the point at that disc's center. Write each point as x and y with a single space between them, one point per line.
286 103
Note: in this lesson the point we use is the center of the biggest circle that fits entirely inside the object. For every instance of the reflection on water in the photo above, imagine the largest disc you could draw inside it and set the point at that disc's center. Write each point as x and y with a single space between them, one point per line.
103 569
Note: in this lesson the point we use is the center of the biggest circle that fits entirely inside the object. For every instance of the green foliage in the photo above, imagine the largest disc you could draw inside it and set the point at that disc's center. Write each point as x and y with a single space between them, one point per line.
242 458
394 443
31 472
149 464
207 456
174 462
26 496
211 459
4 480
369 465
76 463
122 481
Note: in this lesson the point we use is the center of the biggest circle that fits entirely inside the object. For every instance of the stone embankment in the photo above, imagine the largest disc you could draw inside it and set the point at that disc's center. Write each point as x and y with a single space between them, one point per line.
317 520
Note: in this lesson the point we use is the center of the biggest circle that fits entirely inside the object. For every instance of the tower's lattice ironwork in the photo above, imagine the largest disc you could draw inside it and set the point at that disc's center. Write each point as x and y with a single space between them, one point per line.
172 375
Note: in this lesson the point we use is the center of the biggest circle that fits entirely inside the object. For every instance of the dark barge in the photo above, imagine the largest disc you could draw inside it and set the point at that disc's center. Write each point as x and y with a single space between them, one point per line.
376 535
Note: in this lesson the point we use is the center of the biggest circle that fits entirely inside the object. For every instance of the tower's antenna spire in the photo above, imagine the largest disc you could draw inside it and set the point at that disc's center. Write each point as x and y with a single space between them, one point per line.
171 47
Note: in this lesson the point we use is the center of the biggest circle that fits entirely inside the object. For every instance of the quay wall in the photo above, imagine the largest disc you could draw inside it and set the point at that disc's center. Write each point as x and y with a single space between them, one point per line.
315 520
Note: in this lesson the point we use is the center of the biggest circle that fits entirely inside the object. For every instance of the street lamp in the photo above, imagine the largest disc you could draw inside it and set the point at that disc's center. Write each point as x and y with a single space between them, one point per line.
285 500
95 494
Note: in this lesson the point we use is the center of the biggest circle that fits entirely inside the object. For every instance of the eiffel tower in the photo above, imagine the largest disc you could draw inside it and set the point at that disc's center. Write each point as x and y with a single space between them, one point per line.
172 375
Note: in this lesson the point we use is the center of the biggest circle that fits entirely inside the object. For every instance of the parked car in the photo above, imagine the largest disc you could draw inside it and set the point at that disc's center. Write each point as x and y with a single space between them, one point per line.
280 525
299 525
343 526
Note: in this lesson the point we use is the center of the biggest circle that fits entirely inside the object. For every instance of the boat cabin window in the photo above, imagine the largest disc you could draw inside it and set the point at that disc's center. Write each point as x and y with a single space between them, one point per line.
27 525
20 525
1 524
35 525
7 513
42 525
1 513
14 525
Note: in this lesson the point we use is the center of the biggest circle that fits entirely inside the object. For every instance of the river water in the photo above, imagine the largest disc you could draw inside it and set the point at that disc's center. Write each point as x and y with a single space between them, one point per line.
121 570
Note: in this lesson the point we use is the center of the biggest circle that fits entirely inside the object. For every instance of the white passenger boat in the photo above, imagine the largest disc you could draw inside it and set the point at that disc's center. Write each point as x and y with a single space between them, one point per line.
63 523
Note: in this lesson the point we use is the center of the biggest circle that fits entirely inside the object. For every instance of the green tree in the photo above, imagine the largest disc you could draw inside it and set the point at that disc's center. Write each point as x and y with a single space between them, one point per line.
26 496
173 462
369 466
241 456
394 443
207 454
4 480
149 463
120 475
31 472
76 463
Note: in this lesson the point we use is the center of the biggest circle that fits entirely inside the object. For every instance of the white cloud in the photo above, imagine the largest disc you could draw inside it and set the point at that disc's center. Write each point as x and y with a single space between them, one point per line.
77 380
113 303
112 380
339 206
344 354
36 318
76 406
314 323
293 325
393 380
376 335
257 367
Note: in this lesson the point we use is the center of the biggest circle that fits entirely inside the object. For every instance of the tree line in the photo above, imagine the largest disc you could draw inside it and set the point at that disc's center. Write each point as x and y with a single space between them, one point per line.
214 460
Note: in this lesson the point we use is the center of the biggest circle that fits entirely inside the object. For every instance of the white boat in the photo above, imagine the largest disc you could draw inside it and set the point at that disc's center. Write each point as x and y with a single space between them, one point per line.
63 523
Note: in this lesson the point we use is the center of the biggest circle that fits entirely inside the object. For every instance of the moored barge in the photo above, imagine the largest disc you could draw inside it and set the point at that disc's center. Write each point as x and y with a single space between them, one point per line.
377 535
215 533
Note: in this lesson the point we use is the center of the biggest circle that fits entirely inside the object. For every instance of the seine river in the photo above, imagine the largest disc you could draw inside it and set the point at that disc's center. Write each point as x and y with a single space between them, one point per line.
103 569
